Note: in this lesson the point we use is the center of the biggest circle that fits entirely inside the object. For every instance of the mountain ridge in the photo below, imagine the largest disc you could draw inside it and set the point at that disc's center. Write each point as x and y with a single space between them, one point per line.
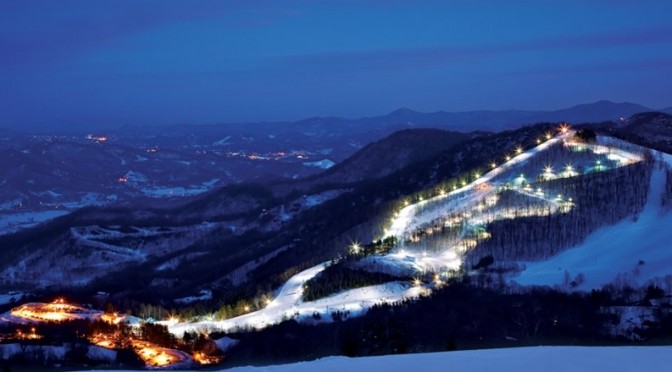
469 120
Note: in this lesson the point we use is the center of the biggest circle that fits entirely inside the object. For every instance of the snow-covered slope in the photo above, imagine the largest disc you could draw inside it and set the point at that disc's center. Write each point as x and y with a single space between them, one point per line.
547 359
637 250
289 304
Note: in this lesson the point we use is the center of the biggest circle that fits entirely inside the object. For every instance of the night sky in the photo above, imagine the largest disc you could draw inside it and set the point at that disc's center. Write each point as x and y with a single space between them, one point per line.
98 64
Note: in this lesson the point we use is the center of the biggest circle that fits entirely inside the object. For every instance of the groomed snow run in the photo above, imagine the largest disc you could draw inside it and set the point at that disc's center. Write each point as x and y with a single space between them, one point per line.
640 249
547 359
289 304
406 220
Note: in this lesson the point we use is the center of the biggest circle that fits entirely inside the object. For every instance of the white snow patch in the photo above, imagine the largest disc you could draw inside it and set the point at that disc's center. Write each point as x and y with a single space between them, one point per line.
204 294
135 177
10 223
222 142
324 163
166 192
101 354
10 297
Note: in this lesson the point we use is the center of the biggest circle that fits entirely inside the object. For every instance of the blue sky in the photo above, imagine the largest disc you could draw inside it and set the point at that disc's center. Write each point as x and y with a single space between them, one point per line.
95 63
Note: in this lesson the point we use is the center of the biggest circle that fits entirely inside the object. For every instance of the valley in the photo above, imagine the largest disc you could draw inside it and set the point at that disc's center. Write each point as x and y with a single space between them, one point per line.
431 238
421 244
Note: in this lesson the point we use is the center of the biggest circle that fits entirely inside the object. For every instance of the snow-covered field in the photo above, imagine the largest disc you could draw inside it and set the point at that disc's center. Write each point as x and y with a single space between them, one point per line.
547 359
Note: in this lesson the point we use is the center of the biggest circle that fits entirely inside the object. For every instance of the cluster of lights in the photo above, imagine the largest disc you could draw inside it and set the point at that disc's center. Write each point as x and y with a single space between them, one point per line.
56 311
32 335
203 359
155 356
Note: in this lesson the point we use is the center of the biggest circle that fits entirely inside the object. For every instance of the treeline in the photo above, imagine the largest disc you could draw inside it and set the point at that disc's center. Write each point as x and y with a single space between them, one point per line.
599 199
458 316
339 277
667 192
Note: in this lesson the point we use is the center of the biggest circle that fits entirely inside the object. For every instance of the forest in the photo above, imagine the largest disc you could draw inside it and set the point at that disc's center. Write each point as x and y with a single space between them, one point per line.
464 315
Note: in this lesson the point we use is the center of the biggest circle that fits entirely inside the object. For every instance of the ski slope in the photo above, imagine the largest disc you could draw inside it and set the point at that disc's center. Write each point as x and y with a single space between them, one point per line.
637 250
407 219
289 304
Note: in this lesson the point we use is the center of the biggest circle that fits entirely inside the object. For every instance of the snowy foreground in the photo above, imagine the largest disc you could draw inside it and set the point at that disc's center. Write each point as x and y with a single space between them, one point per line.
547 359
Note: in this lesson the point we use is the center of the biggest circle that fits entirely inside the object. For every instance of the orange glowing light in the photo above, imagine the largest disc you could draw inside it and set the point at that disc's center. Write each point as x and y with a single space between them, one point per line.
157 356
56 311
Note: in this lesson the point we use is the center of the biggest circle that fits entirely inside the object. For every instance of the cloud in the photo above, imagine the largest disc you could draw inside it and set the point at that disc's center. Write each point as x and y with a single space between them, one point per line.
619 38
424 57
642 65
43 31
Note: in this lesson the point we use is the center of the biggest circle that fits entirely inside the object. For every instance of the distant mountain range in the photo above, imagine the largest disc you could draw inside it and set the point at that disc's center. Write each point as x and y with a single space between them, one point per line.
376 127
509 119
